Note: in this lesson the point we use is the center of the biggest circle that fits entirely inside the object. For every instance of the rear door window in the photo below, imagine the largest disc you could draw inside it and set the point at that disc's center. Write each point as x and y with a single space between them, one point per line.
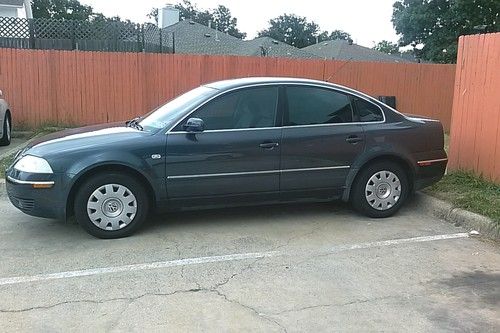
367 112
317 106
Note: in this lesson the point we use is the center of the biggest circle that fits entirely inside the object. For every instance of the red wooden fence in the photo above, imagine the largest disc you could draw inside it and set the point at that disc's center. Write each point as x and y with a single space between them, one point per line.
475 133
72 87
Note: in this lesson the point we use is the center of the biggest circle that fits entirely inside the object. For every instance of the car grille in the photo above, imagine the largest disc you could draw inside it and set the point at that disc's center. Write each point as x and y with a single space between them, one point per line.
23 204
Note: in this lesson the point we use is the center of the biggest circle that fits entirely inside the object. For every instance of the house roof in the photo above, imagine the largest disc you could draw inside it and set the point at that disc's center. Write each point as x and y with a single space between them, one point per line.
195 38
343 50
13 3
273 48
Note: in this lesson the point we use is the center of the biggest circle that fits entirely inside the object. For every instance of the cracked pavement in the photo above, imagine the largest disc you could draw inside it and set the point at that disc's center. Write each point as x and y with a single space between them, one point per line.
440 285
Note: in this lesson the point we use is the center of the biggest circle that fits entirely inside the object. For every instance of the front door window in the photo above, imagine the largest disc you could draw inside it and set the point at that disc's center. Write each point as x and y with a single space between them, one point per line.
246 108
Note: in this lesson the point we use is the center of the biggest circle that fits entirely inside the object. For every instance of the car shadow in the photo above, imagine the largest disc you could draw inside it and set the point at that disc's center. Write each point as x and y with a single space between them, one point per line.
249 214
277 214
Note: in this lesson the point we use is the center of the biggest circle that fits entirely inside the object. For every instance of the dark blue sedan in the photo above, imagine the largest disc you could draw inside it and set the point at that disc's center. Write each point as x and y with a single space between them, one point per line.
236 142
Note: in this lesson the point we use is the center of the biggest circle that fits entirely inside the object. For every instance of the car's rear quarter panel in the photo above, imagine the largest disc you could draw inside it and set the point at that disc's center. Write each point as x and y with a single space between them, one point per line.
406 141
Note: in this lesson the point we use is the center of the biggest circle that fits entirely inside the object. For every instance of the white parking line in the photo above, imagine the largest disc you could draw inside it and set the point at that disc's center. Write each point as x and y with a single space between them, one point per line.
398 241
205 260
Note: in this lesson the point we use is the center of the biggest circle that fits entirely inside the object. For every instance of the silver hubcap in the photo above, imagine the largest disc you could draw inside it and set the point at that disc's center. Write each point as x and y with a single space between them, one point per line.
383 190
112 207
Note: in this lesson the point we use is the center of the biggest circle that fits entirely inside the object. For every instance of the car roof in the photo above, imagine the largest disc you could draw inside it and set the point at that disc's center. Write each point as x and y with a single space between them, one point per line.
249 81
234 83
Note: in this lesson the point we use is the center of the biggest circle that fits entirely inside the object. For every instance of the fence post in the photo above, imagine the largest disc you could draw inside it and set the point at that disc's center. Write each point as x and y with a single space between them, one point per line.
161 41
116 32
143 40
173 42
31 28
140 31
73 35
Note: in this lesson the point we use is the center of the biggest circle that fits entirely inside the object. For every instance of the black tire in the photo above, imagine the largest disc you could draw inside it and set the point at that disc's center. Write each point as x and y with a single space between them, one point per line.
92 184
359 199
7 130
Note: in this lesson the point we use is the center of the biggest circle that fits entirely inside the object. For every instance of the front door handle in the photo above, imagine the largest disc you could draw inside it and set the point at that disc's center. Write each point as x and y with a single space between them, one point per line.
268 145
354 139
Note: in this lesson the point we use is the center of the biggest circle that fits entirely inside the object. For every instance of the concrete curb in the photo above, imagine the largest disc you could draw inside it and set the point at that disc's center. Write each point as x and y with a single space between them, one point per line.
22 134
458 216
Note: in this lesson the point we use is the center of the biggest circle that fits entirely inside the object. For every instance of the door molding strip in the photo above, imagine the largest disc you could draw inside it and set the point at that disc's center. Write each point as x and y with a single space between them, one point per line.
229 174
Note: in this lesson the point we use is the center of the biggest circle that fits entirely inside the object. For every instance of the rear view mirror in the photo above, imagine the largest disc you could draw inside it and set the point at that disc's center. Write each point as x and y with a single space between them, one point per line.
194 125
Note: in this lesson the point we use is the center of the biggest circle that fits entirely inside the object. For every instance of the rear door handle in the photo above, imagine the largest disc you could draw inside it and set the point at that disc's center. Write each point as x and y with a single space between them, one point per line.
354 139
268 145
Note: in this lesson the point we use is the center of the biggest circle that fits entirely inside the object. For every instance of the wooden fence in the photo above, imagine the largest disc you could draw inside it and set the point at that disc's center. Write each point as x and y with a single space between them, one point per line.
74 87
475 133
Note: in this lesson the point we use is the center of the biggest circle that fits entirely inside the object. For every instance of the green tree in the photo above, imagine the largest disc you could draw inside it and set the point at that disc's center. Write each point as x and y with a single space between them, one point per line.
335 34
61 9
437 24
225 22
387 47
220 17
299 32
153 15
292 29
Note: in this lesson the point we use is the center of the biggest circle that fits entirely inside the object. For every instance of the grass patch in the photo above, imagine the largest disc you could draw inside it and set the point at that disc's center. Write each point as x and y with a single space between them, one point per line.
469 192
4 163
49 129
43 127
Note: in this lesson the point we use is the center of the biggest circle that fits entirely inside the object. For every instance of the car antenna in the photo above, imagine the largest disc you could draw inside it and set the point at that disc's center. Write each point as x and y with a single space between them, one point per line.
338 70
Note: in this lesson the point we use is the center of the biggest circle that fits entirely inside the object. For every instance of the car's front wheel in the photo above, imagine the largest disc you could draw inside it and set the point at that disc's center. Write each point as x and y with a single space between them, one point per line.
380 189
7 132
111 205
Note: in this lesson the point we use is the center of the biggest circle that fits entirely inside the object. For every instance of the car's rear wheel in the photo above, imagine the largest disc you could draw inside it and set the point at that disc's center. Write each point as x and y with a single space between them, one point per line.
7 132
380 189
111 205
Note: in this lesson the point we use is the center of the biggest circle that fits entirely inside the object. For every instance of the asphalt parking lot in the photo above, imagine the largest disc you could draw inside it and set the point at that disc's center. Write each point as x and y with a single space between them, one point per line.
294 268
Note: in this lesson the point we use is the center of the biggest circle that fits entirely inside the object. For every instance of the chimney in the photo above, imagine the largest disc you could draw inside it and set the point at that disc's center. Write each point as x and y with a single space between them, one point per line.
27 8
210 24
167 16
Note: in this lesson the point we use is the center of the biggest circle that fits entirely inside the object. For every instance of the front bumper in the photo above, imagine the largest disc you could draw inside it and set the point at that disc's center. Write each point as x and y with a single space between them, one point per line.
40 202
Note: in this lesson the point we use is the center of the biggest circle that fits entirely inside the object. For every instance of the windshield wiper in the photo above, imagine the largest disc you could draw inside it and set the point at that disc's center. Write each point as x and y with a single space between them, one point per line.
134 123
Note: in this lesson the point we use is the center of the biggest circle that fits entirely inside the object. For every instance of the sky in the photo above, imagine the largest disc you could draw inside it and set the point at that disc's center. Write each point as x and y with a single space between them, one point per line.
368 21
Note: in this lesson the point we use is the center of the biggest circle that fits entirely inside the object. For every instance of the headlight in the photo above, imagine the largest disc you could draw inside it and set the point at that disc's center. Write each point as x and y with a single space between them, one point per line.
33 164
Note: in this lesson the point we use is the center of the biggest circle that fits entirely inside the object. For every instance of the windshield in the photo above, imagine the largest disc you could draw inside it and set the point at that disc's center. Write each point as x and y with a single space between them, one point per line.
166 114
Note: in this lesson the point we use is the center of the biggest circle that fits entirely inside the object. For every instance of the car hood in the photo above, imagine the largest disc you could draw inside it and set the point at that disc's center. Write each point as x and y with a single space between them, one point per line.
88 137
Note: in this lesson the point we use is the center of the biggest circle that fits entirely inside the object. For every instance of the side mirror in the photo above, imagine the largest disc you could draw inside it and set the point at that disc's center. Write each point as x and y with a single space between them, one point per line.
194 125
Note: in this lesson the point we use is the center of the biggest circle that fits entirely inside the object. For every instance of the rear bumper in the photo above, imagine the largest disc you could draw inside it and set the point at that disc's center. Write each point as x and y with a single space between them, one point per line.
40 202
429 172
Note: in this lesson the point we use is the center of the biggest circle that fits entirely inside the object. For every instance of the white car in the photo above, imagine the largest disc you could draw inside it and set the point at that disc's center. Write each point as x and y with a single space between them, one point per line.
6 122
